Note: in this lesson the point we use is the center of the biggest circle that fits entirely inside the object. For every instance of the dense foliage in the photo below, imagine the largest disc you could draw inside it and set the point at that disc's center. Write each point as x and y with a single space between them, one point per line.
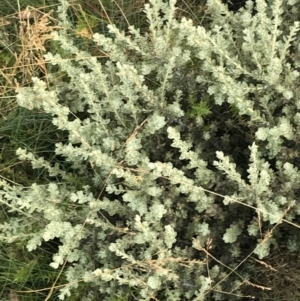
179 158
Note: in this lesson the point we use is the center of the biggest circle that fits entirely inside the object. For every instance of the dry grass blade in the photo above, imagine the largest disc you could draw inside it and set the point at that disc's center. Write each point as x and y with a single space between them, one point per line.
26 60
264 264
29 14
33 37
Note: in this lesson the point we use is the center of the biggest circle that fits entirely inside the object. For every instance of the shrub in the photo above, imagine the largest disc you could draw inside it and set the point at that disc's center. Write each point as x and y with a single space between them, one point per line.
151 202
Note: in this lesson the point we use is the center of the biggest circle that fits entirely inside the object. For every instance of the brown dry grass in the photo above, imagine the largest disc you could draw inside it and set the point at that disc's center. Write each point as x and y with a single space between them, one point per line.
35 29
32 30
281 275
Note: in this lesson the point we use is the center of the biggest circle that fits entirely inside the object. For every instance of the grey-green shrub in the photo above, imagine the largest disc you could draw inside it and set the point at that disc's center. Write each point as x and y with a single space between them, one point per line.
157 183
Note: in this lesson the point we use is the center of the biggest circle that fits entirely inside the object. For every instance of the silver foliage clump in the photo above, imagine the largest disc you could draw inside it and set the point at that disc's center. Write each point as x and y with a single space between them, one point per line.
145 233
